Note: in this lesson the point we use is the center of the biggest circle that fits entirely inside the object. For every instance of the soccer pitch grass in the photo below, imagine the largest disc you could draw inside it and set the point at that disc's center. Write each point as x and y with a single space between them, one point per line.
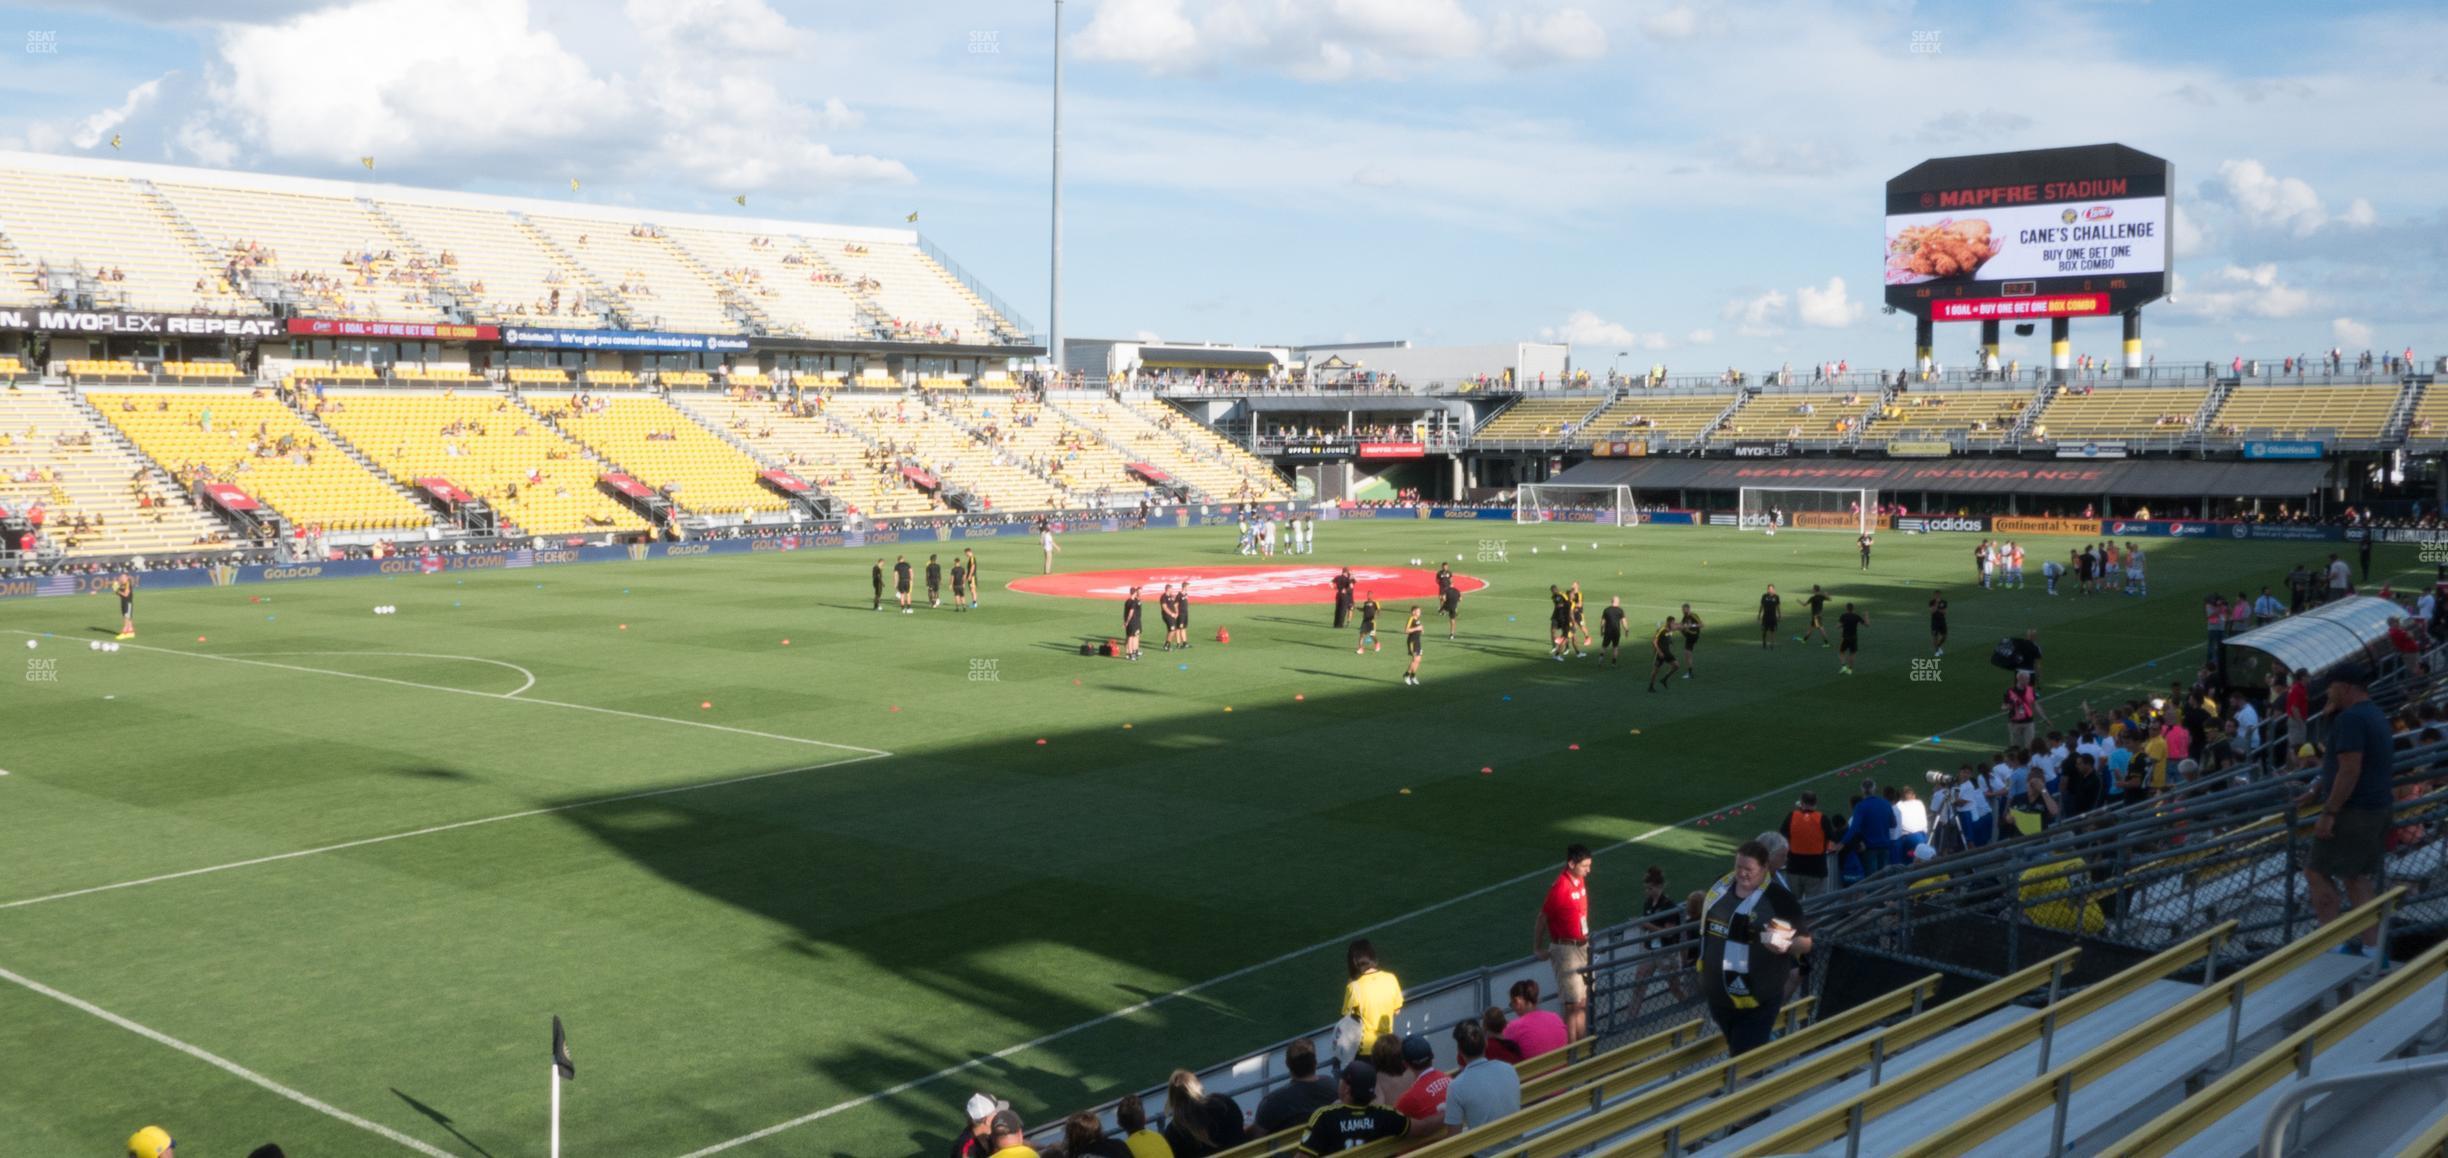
364 858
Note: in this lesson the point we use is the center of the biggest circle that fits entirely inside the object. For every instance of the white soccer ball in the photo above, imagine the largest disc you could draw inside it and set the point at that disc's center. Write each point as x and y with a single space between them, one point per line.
32 644
1534 550
94 644
110 647
1563 546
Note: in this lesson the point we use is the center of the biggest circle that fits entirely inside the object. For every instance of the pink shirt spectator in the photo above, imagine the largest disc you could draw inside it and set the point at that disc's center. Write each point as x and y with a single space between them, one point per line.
2180 744
1536 1032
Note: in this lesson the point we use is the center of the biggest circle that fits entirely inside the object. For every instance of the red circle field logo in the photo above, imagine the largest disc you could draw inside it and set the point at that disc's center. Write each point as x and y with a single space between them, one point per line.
1246 584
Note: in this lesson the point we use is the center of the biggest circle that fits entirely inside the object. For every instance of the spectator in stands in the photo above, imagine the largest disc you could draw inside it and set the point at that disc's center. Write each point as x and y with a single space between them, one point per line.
1492 1028
1753 930
1560 935
1199 1123
1809 833
1532 1030
978 1140
1356 1120
1131 1115
1871 835
1373 995
2354 792
1009 1139
1483 1089
1392 1081
2298 702
1085 1137
1424 1101
1291 1103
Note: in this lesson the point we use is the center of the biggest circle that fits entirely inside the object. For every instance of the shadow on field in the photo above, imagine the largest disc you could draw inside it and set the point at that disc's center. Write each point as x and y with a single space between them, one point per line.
440 1119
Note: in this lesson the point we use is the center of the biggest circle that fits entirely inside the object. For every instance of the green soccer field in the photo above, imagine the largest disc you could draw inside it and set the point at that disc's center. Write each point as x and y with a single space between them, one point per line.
291 871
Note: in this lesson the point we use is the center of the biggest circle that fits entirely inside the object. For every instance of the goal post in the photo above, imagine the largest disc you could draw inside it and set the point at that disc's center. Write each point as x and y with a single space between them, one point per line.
1853 510
1555 503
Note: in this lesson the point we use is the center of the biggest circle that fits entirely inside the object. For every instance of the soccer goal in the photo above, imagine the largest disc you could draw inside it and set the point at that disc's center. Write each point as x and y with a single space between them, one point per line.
1853 510
1554 503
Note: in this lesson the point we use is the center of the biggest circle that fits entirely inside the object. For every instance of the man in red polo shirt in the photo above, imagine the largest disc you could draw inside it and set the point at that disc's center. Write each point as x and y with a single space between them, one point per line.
1560 936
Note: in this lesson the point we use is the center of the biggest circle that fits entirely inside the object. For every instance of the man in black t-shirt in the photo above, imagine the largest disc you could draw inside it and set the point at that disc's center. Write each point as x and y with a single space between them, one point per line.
1848 641
1449 601
901 582
1938 623
1559 622
1368 625
878 576
934 580
1661 653
960 585
1770 605
1865 551
1130 625
1292 1103
1611 629
1343 584
1355 1121
1817 603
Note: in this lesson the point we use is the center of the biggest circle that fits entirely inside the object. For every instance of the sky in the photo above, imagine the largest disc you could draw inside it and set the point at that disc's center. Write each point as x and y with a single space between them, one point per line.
1683 182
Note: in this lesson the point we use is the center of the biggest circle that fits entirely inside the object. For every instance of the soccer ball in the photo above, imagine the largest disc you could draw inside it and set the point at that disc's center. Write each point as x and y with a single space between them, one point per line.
31 644
94 644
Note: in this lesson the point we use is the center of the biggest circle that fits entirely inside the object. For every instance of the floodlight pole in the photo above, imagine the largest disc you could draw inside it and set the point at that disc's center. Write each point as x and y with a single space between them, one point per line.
1054 351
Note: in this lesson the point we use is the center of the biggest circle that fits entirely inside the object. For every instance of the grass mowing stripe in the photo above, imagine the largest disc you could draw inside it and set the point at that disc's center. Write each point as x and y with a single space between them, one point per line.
511 696
223 1064
1346 938
281 856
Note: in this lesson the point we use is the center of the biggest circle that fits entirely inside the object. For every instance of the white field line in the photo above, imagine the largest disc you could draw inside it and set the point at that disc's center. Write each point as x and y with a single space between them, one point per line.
429 831
225 1065
531 676
512 697
1343 939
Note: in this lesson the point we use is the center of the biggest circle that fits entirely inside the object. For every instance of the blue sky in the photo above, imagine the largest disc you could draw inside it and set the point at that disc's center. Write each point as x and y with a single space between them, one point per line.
1675 180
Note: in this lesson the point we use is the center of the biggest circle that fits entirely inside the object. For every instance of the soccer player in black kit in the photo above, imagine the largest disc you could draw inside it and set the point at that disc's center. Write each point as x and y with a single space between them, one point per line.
1343 584
1368 625
934 578
1130 625
879 584
1661 654
901 583
1938 626
1412 633
1449 600
1865 550
1181 615
1850 624
1818 602
960 585
1611 629
1770 604
1559 621
1691 626
968 562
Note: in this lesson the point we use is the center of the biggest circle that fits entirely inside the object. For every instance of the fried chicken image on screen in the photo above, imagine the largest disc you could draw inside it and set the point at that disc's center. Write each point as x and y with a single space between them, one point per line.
1947 249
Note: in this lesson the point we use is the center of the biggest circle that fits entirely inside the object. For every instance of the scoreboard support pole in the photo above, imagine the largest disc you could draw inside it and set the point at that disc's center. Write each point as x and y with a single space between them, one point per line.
1989 346
2061 348
2133 343
1925 343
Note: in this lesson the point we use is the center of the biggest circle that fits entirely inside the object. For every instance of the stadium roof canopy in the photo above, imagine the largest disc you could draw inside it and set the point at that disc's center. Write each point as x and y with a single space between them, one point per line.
1339 403
2318 641
2075 477
1205 358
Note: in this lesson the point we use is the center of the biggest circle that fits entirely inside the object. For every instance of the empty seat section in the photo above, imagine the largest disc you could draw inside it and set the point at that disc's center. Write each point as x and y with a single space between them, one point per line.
488 446
262 447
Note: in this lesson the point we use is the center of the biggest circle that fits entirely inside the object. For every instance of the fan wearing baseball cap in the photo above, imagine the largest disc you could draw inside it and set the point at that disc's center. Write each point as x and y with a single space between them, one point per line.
1355 1121
978 1140
1005 1129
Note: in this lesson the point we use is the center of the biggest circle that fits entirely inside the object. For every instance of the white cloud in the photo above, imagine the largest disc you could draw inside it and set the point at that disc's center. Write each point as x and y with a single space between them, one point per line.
2188 232
730 27
2269 201
2349 332
1373 176
1700 337
1758 316
2358 214
1154 33
96 130
1826 307
1536 38
1585 328
2242 292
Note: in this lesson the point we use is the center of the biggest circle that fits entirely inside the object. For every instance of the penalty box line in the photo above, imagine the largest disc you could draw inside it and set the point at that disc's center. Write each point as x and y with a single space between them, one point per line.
1346 938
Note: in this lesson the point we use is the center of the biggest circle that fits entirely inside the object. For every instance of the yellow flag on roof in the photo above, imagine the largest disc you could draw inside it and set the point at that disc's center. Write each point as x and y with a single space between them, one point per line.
742 199
368 162
114 140
573 184
913 215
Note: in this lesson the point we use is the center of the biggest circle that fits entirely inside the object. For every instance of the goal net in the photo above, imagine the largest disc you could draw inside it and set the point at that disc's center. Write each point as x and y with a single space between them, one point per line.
1853 510
1553 503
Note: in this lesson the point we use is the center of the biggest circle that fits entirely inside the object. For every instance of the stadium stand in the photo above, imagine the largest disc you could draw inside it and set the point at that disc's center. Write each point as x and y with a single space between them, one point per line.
1677 418
1129 426
508 272
2353 412
333 255
659 287
547 376
947 439
1812 417
488 446
799 294
13 370
257 444
89 370
437 375
201 372
916 295
20 284
1074 458
346 372
2427 421
817 450
54 453
1269 482
2143 413
1536 419
128 242
665 448
1964 417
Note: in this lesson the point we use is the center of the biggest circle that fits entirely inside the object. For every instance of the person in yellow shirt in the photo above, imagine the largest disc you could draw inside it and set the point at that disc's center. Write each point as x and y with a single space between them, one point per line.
1131 1115
1374 995
2157 749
